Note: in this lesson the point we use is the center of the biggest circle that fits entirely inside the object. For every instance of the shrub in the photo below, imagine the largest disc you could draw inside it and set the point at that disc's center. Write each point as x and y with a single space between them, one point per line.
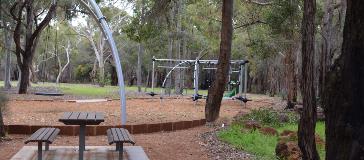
3 101
270 117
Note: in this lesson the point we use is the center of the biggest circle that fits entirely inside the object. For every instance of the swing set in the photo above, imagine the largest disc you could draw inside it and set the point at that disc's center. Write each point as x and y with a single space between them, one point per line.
242 71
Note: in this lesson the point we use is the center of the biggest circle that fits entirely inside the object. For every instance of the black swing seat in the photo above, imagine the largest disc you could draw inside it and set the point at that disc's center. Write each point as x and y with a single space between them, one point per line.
244 99
152 94
49 94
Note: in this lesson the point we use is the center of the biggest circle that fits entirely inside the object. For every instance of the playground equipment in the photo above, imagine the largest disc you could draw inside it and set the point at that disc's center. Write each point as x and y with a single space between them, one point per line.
184 64
96 13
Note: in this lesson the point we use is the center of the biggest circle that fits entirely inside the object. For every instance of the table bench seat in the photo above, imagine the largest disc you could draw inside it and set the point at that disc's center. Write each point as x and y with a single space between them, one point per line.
43 135
119 136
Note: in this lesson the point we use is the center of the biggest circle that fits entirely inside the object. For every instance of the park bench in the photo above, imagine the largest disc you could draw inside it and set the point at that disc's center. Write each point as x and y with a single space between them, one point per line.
46 135
119 136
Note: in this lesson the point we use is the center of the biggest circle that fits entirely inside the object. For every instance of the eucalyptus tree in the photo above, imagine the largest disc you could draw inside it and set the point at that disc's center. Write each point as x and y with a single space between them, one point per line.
344 87
307 125
140 29
30 18
215 94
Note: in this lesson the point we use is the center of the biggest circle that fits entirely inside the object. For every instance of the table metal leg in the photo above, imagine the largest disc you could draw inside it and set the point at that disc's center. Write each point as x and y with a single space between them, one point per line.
40 150
81 147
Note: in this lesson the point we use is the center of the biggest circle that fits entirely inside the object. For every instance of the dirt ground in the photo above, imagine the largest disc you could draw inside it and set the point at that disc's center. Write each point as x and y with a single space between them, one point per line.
182 144
139 111
179 145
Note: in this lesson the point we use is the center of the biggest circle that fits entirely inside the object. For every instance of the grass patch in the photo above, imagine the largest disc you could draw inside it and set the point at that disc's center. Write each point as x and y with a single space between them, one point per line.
260 145
94 90
254 142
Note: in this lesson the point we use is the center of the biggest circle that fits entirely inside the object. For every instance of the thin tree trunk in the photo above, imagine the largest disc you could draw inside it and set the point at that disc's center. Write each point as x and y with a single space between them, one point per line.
178 86
139 67
7 39
344 90
306 127
65 66
215 94
170 52
2 129
291 83
326 52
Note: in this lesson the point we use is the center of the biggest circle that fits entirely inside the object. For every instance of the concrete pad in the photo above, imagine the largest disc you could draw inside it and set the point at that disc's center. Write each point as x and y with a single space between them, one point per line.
91 153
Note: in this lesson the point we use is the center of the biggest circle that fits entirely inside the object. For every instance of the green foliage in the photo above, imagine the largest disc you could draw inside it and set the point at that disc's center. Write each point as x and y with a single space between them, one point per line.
270 117
262 146
82 72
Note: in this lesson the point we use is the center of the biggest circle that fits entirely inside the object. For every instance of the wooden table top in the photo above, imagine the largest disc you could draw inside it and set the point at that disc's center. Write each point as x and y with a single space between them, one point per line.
82 118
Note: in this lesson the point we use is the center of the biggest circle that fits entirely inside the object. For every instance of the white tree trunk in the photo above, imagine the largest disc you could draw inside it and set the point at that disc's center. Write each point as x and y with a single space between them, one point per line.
7 39
139 67
65 66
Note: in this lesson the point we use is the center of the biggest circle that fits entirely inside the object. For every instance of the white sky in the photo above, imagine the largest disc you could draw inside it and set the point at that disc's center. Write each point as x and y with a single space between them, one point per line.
122 5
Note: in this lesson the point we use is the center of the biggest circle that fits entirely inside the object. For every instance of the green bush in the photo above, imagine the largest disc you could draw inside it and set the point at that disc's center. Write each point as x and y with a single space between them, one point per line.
82 72
271 117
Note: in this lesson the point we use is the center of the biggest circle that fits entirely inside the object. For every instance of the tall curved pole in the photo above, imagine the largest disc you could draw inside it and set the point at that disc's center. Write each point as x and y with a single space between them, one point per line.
108 34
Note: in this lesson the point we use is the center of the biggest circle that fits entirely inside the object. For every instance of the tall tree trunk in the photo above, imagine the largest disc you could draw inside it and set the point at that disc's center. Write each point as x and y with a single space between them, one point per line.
24 76
344 90
139 67
169 55
326 53
25 49
7 40
178 78
215 94
291 83
306 127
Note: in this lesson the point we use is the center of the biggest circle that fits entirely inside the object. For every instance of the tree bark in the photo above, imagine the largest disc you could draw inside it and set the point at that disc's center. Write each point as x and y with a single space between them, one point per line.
306 127
344 90
291 83
25 51
215 94
7 40
326 53
139 67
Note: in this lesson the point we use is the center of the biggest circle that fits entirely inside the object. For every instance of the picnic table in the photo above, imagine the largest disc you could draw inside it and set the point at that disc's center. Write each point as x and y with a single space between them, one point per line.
82 119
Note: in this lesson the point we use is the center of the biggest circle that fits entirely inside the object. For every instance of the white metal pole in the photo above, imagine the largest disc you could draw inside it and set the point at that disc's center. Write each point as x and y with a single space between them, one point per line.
241 80
153 75
115 53
246 78
195 78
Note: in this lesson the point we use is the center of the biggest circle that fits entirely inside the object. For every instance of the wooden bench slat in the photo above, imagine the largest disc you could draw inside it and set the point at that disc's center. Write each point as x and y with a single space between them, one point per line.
66 115
99 116
74 115
109 136
36 134
128 136
48 134
91 116
83 115
120 135
53 135
40 137
43 135
115 135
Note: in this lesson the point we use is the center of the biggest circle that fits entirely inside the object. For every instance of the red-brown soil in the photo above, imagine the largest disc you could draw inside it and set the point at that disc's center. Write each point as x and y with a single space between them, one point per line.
139 111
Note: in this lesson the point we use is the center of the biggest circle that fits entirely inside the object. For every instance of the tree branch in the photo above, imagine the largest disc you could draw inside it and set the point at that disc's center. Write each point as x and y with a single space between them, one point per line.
249 24
44 22
260 3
